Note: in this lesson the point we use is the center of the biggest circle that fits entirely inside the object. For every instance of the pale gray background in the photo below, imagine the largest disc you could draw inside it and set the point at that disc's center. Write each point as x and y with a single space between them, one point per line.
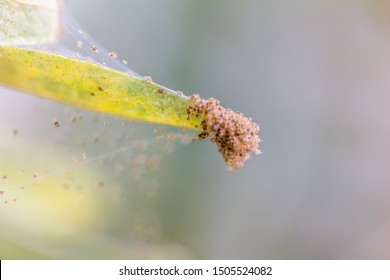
315 75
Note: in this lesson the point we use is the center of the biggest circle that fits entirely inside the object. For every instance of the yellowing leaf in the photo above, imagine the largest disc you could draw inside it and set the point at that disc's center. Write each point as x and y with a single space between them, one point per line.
90 86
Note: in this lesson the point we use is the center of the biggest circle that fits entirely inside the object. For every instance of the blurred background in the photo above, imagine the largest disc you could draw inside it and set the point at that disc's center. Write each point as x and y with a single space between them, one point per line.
313 74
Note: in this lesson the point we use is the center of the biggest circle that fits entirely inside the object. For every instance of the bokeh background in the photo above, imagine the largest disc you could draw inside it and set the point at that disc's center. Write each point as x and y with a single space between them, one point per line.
313 74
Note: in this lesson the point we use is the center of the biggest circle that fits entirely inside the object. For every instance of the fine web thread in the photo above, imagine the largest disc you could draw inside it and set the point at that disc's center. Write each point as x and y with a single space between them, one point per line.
88 47
148 148
78 44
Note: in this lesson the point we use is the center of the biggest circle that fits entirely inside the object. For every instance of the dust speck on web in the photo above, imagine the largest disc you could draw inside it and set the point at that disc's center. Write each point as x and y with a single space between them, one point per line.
87 151
73 170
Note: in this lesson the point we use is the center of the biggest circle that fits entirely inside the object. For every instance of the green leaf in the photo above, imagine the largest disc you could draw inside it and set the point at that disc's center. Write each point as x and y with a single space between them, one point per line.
90 86
94 87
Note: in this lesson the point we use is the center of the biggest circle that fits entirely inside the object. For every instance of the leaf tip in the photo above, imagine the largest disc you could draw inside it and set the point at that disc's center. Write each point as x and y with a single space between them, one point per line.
235 135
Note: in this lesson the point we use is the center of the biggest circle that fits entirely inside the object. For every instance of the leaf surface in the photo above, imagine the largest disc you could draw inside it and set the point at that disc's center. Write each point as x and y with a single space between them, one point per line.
91 86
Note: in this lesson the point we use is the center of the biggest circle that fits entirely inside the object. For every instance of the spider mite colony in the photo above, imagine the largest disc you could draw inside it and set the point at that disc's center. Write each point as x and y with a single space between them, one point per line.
108 141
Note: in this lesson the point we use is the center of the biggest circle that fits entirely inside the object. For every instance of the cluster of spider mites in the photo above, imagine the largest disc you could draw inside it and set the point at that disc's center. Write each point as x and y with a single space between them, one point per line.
235 135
